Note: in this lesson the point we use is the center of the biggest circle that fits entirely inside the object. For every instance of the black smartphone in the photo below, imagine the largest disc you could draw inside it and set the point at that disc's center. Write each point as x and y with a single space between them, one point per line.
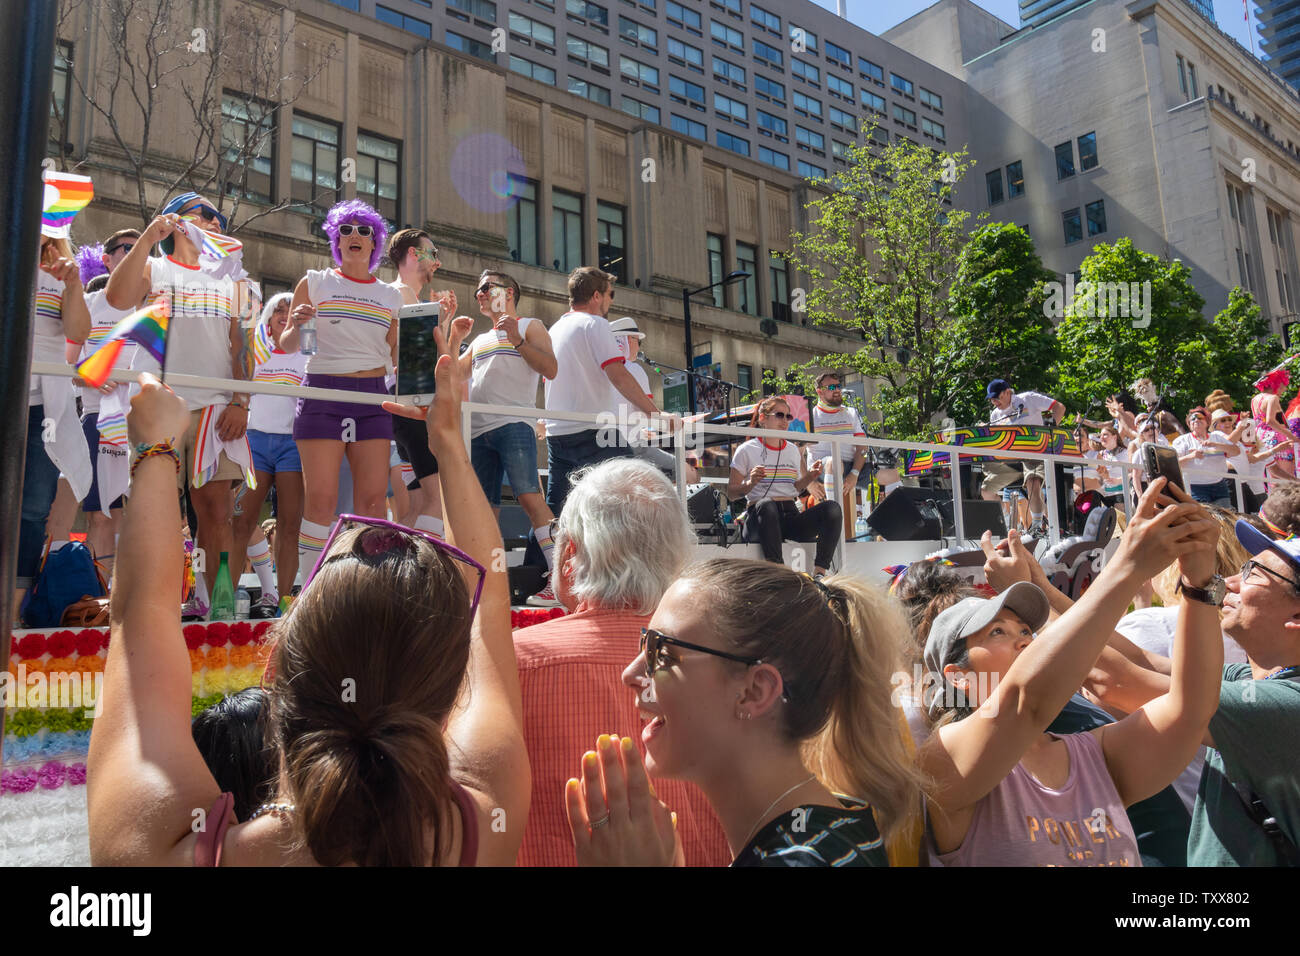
417 352
1162 461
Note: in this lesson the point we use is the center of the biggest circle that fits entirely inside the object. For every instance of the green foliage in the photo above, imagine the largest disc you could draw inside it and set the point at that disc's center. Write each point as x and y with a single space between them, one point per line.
1241 348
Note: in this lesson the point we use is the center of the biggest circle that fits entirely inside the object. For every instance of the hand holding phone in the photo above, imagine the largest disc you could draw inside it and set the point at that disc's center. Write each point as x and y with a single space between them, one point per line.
1161 461
417 352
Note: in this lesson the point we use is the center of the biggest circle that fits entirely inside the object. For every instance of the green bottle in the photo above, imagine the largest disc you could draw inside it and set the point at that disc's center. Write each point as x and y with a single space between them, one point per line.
223 595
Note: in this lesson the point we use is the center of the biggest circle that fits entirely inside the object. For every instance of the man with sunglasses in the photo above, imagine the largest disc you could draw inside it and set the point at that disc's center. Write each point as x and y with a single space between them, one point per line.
832 415
1247 810
204 337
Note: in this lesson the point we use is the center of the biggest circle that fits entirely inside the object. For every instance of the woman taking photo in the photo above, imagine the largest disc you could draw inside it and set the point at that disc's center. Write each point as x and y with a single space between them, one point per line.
770 476
376 764
355 321
1203 456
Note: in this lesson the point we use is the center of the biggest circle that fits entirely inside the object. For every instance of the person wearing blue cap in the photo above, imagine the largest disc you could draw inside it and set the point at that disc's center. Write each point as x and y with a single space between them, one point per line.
1247 810
1018 408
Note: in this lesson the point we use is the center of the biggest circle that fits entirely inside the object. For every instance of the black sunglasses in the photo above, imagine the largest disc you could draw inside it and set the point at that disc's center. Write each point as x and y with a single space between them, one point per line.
784 415
128 246
652 645
365 232
204 212
488 287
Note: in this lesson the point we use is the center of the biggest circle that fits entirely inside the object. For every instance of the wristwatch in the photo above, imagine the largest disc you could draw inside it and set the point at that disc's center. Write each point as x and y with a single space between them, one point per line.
1213 594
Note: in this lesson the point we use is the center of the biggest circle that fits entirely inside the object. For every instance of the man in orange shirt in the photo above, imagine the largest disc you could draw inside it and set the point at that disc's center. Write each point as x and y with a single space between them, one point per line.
621 539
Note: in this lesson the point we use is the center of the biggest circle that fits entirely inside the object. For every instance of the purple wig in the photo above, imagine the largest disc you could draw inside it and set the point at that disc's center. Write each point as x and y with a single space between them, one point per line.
91 261
362 214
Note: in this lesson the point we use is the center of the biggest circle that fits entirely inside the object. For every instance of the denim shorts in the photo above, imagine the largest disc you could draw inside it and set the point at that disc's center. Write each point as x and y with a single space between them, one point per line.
510 452
274 452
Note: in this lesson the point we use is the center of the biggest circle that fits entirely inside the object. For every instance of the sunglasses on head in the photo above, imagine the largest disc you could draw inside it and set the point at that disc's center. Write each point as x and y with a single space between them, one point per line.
365 232
385 537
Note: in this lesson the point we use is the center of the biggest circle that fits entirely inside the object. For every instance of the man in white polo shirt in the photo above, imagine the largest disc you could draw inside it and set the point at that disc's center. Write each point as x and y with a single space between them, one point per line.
592 378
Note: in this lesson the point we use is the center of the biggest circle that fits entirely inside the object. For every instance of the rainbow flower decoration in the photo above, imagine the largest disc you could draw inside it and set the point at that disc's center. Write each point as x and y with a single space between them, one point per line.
66 194
147 327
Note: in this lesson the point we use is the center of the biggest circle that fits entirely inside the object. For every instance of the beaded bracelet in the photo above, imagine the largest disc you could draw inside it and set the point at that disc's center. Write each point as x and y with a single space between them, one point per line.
149 451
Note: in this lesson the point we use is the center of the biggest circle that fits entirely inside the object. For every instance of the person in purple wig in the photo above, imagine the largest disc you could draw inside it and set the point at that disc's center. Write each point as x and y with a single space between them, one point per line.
90 261
355 320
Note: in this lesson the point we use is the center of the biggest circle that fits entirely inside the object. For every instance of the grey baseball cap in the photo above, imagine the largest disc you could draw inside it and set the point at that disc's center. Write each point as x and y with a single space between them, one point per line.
970 615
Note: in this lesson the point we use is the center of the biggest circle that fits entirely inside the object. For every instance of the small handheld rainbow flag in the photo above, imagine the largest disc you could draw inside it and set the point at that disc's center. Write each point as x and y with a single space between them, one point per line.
66 194
147 327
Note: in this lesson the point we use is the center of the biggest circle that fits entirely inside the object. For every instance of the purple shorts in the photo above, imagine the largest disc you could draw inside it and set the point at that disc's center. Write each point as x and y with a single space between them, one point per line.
342 421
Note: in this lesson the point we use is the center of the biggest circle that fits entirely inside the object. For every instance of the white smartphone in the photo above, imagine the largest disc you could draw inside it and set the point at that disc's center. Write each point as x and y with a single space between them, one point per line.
417 352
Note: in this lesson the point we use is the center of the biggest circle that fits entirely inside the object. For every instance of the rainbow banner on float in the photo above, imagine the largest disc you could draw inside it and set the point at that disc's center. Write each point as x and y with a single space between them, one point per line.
66 194
147 327
1037 439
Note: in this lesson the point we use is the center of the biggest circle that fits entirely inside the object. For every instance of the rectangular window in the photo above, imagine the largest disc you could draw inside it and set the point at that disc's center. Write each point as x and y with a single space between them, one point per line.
844 120
400 20
1096 213
727 72
566 229
870 71
747 261
688 127
993 181
733 143
639 74
873 102
768 387
1191 80
532 31
745 379
779 282
686 92
478 9
931 99
764 19
522 222
347 4
597 94
581 11
248 146
879 135
587 53
1182 77
717 268
644 110
900 84
807 105
683 54
629 31
839 87
1065 161
542 74
379 166
904 115
931 128
1015 179
1087 151
610 248
770 90
768 53
727 108
731 5
805 72
802 37
771 125
724 35
314 163
1073 225
684 17
809 139
60 88
811 170
773 158
839 54
475 48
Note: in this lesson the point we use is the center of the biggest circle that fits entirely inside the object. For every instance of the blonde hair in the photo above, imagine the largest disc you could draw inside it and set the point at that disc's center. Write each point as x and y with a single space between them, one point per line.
62 247
1229 555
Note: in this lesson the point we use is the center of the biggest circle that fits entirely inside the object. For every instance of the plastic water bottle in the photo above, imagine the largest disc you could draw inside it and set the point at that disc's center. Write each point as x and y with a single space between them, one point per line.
307 337
223 594
860 529
243 603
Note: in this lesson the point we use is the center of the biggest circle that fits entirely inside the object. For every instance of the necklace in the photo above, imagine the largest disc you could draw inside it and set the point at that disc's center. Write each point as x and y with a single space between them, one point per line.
279 810
811 777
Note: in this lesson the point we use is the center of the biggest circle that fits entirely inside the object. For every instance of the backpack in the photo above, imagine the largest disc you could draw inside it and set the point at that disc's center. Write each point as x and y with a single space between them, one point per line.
65 577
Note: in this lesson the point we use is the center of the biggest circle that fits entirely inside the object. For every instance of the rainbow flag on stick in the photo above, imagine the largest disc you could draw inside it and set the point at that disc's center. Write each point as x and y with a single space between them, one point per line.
66 194
147 327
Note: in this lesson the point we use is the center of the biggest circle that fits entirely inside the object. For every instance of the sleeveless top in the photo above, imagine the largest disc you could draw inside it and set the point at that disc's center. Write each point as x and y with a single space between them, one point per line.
353 317
1021 822
207 851
1268 438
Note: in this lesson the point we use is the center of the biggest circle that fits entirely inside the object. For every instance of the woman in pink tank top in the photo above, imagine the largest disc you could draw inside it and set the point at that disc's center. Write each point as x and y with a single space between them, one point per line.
375 768
1005 792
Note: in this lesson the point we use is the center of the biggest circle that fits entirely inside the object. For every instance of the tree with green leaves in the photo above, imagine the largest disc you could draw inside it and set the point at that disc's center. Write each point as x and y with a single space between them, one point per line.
1242 347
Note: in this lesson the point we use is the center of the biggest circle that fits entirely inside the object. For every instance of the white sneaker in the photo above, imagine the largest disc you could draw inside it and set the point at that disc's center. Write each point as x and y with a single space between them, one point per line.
543 598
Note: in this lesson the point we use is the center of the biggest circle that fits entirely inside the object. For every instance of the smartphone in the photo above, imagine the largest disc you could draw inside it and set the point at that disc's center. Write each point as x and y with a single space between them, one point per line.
417 353
1162 461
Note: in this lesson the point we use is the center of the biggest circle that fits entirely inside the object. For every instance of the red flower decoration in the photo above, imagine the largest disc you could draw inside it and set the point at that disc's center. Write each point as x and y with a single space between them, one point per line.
89 642
259 632
241 633
61 643
31 645
195 635
218 634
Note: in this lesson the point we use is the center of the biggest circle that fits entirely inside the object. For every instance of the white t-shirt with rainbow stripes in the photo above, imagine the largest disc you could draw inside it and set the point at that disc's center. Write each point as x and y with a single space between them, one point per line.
842 421
353 317
781 462
500 376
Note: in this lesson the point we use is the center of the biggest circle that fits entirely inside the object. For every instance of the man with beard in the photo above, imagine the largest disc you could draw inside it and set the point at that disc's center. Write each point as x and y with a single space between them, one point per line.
832 416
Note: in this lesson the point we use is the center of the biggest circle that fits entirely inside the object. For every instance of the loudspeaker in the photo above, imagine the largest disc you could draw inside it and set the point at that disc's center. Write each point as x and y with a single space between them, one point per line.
898 518
525 581
702 504
979 516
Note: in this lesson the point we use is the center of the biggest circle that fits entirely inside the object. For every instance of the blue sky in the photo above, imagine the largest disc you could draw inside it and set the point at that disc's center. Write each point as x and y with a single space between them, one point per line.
879 15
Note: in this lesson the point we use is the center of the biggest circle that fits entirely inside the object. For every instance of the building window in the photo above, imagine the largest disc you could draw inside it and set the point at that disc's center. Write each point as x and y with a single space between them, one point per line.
639 74
580 11
724 71
379 164
842 152
808 139
478 9
931 128
1065 161
993 181
475 48
1187 79
688 127
839 54
400 20
770 90
587 54
779 280
845 121
629 31
593 92
769 21
871 71
1191 79
809 38
806 72
745 379
773 158
683 17
747 261
734 110
566 229
931 99
61 87
542 74
314 165
1087 151
733 143
248 145
807 105
532 32
610 250
1096 213
724 35
873 102
686 92
717 268
1073 225
644 110
769 54
354 5
903 115
839 87
1015 179
686 55
522 233
774 126
811 170
769 386
900 84
879 135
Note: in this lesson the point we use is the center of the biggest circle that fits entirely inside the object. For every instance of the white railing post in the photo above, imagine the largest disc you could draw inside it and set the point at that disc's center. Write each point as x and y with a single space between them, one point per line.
958 494
1053 506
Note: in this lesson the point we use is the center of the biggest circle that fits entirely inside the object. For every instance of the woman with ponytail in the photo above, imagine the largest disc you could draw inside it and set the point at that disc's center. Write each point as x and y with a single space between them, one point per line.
376 763
772 693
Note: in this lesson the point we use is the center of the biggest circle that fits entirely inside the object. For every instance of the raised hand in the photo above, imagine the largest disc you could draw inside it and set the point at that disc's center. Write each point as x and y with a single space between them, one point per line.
1160 531
614 815
443 416
1009 561
157 413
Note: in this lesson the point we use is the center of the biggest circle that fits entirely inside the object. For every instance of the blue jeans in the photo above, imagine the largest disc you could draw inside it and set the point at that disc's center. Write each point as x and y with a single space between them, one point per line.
40 482
509 451
567 453
1215 493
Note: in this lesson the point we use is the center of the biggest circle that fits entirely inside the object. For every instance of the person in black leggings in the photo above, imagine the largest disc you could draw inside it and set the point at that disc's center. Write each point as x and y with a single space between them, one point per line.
770 477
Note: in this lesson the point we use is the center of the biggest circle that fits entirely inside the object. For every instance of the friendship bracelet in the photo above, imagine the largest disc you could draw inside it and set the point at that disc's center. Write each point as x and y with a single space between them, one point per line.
143 451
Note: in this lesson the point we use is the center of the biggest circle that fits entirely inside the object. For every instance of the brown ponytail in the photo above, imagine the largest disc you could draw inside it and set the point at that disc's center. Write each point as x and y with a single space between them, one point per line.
765 407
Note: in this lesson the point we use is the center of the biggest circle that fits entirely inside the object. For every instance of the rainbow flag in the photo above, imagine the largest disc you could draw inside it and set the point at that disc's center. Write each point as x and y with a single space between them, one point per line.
147 326
262 344
66 194
213 243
